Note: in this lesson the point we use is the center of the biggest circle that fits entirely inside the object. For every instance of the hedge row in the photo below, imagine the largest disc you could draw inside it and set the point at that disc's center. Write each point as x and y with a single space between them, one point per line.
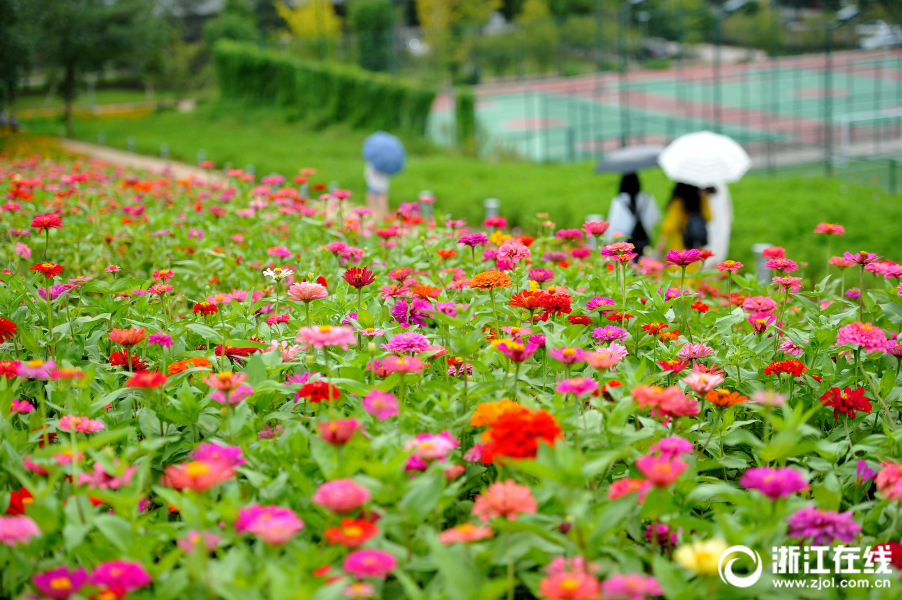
325 93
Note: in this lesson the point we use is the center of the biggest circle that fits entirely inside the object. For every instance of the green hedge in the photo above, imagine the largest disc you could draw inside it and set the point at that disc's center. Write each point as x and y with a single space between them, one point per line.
324 93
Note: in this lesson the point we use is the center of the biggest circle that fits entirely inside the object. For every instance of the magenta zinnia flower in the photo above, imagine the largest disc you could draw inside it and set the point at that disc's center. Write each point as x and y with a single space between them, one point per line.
370 563
672 445
823 526
786 265
120 575
632 586
578 386
275 525
212 452
610 333
517 351
341 495
473 239
774 483
568 356
414 312
682 258
381 405
407 343
793 284
60 583
661 471
161 339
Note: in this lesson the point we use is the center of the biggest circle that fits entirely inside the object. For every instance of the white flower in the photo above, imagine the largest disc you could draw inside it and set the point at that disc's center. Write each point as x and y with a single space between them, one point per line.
278 274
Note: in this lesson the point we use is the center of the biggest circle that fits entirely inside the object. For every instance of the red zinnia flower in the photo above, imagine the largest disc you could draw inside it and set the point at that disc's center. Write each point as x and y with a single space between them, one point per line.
7 329
47 268
793 367
846 402
9 368
517 434
554 304
351 533
619 316
654 328
527 300
317 391
358 278
146 379
18 500
579 319
44 222
237 351
674 366
121 359
205 308
700 306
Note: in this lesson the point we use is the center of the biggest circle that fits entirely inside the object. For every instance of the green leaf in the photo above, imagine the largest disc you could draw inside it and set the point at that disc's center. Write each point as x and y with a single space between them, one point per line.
116 529
208 333
422 496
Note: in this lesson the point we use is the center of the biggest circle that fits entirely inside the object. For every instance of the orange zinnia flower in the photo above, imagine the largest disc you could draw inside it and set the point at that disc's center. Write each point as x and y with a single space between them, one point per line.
724 398
184 365
490 280
527 300
488 412
425 291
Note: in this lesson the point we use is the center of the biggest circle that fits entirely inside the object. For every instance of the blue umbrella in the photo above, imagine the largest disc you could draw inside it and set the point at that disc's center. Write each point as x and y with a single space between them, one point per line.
385 152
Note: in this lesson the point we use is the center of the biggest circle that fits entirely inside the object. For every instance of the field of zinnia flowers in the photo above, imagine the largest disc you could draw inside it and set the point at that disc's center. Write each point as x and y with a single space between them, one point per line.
252 390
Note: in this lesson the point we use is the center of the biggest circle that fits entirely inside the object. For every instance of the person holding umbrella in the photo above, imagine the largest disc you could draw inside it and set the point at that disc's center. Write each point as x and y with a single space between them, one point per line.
633 213
385 156
685 224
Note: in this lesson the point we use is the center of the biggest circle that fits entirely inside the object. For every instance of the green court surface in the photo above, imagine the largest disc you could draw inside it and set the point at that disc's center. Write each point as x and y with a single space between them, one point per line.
769 107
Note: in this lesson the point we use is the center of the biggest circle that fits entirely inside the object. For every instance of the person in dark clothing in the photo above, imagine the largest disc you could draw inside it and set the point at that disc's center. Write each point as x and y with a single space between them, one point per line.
633 214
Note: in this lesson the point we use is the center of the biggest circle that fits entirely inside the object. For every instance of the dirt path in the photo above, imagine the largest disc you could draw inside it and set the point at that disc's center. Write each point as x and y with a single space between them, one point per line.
159 166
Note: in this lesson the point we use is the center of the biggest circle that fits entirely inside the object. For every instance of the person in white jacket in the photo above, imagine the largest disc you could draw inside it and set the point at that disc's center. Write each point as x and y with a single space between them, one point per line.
633 214
721 224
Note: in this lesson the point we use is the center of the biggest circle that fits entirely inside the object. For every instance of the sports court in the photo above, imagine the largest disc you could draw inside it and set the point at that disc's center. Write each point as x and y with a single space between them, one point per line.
777 108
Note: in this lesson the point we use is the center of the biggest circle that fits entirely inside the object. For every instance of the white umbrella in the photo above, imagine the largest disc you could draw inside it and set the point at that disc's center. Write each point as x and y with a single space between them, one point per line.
704 159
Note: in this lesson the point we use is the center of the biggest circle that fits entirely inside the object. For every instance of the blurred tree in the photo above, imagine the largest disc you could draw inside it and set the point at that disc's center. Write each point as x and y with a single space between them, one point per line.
311 19
534 10
372 21
268 19
78 36
237 21
15 48
450 26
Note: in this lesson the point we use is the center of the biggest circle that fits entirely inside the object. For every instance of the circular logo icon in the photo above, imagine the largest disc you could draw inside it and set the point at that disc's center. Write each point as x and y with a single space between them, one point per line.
726 571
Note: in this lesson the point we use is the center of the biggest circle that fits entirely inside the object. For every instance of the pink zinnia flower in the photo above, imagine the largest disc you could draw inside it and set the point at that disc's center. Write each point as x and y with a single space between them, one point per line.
506 499
17 530
625 486
341 495
760 320
513 251
661 471
80 424
578 386
307 291
861 258
161 339
280 251
370 563
632 586
730 265
517 351
788 346
606 358
325 335
120 575
888 480
193 539
381 405
242 392
830 228
568 356
409 342
774 483
793 284
466 533
672 445
102 480
225 381
694 351
429 447
782 264
275 525
339 431
212 452
702 383
23 250
595 227
402 364
759 304
864 335
570 585
20 406
774 252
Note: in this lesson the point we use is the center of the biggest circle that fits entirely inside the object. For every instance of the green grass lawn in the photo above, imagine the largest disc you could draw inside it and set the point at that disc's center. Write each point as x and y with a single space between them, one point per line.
778 210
